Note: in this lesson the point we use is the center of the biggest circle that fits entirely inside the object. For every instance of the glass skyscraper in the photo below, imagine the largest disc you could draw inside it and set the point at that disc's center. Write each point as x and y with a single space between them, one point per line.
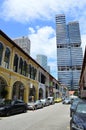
69 52
42 60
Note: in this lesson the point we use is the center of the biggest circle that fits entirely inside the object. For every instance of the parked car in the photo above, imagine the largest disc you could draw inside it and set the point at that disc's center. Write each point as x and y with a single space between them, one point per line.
31 106
74 98
35 105
51 100
78 121
66 101
9 107
73 106
45 102
57 100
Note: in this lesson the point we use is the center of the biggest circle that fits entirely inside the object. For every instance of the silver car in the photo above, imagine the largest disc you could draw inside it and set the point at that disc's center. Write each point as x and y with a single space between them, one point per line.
35 105
66 101
45 102
51 100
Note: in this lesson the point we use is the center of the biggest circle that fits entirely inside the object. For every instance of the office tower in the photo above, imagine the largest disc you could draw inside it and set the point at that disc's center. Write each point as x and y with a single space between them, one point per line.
69 52
24 43
74 33
61 34
42 60
48 68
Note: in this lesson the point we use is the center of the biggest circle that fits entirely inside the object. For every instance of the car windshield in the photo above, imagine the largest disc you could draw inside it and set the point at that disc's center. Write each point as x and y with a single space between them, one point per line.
67 98
81 108
75 103
37 101
50 98
43 100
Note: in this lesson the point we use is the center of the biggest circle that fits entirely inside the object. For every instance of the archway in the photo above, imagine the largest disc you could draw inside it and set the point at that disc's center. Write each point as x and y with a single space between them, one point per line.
3 84
40 93
46 91
32 94
18 90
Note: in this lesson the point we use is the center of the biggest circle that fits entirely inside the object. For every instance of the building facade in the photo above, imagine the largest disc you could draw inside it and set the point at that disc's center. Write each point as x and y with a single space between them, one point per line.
24 43
82 81
21 76
69 52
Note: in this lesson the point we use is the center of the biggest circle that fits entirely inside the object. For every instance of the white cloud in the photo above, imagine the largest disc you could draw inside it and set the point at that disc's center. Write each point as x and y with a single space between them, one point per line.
83 38
43 38
26 10
43 41
29 10
31 30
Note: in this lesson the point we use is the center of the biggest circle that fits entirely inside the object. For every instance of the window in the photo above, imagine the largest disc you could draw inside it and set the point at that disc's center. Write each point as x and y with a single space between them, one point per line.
35 72
7 57
21 66
25 68
15 66
1 52
32 71
29 70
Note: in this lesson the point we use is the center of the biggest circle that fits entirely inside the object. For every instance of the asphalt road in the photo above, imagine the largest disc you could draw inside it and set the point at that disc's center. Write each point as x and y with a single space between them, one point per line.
54 117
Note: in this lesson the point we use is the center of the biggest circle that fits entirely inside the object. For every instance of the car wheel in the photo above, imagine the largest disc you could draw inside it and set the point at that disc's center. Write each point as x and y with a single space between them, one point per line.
25 110
70 124
70 114
34 108
8 113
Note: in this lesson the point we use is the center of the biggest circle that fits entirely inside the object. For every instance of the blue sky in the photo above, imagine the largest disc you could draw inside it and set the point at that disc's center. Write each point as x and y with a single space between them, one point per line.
36 19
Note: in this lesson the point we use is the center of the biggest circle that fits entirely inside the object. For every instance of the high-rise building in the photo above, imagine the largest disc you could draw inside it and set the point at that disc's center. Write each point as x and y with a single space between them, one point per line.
61 29
24 43
74 33
48 68
42 60
69 52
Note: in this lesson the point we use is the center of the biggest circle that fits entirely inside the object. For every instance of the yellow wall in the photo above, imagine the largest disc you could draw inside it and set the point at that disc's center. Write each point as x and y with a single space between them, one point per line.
11 77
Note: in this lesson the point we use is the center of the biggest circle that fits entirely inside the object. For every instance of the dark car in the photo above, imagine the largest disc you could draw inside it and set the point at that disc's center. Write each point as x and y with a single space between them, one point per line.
78 121
9 107
73 106
35 105
74 99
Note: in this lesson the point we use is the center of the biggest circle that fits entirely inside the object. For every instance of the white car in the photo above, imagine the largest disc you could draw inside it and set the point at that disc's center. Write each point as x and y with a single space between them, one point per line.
45 102
51 100
66 101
